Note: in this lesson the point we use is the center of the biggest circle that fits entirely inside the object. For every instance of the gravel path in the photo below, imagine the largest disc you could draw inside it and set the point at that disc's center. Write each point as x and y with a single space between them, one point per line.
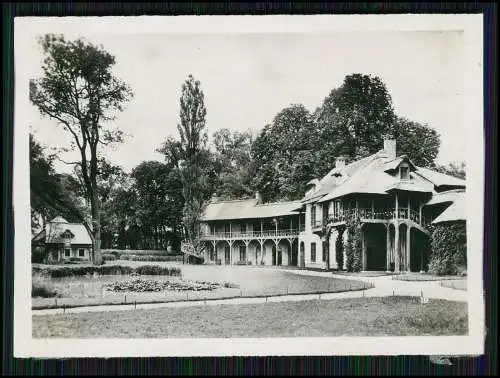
384 286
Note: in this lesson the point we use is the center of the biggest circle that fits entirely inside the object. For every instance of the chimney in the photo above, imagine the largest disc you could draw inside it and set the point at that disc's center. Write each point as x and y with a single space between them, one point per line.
340 162
390 148
258 197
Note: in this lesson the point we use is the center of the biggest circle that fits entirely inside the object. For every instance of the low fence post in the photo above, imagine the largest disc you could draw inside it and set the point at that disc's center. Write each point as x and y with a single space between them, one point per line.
64 308
125 300
135 304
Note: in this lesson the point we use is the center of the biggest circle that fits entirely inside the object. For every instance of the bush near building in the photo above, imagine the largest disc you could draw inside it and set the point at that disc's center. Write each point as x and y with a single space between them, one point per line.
449 249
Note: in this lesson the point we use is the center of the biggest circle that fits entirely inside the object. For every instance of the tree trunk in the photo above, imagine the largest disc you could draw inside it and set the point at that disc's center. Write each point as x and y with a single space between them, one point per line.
96 230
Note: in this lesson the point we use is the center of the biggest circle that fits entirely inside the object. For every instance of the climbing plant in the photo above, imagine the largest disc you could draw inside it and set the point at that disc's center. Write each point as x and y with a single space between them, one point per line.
353 246
449 249
339 248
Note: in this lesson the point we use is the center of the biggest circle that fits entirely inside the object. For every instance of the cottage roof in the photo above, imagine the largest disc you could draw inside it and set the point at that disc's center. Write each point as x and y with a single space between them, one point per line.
440 179
443 197
55 230
455 212
247 209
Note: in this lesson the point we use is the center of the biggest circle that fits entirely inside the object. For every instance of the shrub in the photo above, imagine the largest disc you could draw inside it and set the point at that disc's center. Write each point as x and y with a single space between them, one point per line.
152 270
449 249
149 252
177 258
108 257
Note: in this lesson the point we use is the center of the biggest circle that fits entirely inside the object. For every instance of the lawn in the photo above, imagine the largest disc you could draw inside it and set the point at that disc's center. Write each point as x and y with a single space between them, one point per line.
423 277
390 316
251 281
457 285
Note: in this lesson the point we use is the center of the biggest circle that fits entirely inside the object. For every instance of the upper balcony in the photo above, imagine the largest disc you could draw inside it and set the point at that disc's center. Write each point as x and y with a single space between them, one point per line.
250 235
369 215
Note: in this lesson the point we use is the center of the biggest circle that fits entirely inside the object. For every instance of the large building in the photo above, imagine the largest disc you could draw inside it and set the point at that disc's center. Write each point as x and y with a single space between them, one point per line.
394 200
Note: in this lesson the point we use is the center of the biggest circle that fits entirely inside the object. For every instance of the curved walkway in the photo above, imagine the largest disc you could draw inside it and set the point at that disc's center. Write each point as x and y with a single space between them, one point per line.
384 286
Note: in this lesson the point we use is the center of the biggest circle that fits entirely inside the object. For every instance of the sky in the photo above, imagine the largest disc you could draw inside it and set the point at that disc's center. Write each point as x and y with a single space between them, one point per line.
248 78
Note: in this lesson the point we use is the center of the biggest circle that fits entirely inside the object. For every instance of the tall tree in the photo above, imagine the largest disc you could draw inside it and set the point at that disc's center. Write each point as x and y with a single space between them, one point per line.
359 115
419 142
233 163
79 91
284 154
191 157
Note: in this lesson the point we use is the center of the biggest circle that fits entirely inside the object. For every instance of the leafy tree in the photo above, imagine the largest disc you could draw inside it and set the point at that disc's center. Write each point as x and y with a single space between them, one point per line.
453 169
232 157
283 154
358 116
79 91
420 142
51 194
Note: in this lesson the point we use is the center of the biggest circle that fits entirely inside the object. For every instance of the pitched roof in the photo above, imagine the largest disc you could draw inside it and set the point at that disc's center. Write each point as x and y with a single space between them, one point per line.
58 219
247 209
440 179
443 197
455 212
54 231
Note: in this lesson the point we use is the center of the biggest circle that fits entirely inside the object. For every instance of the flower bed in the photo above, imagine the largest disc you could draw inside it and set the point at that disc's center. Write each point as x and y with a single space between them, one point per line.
145 285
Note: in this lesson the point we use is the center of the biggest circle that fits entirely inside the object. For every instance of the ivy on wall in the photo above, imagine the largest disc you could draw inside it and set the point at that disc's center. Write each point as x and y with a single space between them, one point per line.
449 249
353 246
339 248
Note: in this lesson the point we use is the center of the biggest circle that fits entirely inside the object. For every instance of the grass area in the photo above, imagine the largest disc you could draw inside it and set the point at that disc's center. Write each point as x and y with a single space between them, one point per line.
389 316
363 274
424 277
457 285
76 291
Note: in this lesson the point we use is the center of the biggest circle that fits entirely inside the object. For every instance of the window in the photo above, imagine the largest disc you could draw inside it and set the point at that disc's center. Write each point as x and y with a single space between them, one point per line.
405 173
325 251
313 215
313 252
67 252
81 252
243 253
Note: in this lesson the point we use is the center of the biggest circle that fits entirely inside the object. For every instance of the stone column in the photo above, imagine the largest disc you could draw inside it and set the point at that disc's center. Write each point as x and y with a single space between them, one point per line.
333 250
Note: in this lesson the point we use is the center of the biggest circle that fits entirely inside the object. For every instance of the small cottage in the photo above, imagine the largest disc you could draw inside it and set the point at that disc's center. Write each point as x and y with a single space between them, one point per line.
61 240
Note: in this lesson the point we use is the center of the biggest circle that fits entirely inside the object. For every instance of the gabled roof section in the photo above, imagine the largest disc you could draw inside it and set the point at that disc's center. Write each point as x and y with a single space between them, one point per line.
440 179
367 176
395 163
455 212
58 219
54 233
247 209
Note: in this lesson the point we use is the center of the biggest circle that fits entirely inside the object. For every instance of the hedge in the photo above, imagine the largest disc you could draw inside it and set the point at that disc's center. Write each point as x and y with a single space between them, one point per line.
154 252
151 258
72 271
108 257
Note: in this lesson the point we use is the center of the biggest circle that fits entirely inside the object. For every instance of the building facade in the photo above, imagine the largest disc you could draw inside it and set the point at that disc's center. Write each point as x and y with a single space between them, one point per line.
394 200
62 240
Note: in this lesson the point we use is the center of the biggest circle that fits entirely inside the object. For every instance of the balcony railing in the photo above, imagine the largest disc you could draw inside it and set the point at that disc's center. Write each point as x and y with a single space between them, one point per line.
367 214
252 234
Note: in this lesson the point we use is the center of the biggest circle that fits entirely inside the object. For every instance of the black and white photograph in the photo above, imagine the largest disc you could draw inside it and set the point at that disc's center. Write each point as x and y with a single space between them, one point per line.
248 185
